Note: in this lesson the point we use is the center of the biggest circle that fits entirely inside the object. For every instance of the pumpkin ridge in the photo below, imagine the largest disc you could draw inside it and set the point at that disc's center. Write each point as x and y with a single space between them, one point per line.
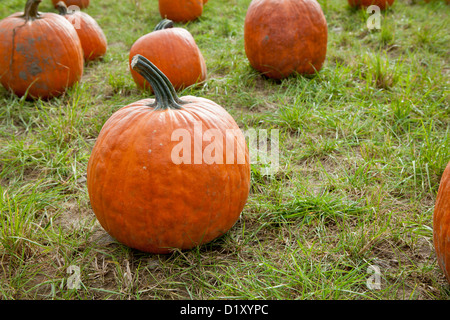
64 43
51 52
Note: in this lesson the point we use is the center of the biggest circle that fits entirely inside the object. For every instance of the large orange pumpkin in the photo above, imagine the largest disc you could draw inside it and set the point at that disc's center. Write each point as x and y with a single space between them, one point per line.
79 3
40 53
285 36
155 196
382 4
174 52
441 223
180 10
92 37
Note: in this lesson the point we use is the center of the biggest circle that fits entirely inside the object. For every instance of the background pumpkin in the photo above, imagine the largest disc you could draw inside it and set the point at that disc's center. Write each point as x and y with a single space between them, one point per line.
441 223
92 37
285 36
180 10
42 57
174 52
79 3
382 4
145 200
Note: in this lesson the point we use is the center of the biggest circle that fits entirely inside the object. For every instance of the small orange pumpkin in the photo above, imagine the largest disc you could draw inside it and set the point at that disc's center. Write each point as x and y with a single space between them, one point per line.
92 37
79 3
282 37
441 223
40 53
181 10
141 193
382 4
174 52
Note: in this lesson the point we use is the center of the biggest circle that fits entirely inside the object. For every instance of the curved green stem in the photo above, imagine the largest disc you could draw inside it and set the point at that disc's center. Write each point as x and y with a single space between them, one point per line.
165 94
164 24
31 10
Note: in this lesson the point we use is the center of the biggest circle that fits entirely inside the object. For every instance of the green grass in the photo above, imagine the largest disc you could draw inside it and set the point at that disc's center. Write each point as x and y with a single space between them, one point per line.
363 145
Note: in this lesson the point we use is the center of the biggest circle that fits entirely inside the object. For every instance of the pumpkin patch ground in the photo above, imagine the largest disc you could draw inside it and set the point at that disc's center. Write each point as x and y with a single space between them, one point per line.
343 210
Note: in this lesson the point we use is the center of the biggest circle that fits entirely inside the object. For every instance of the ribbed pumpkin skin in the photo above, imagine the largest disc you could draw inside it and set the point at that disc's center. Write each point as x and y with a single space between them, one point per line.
79 3
43 55
175 53
441 223
180 10
382 4
285 36
92 37
149 203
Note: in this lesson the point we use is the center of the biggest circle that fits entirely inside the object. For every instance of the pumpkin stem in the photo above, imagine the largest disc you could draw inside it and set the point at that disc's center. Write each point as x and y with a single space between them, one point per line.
164 24
62 8
165 94
31 10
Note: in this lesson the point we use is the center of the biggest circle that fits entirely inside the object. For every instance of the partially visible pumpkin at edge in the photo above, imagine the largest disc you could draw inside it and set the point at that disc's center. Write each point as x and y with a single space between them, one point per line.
40 58
441 223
